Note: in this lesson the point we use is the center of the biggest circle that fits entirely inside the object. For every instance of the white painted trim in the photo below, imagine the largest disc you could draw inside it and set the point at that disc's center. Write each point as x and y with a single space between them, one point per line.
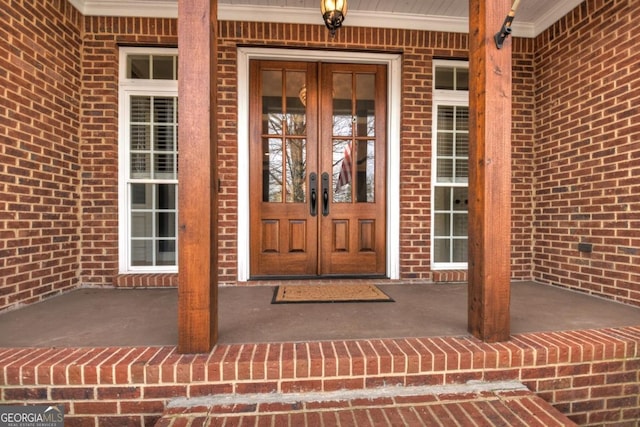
133 8
78 4
243 239
297 15
394 65
394 102
554 14
523 29
356 18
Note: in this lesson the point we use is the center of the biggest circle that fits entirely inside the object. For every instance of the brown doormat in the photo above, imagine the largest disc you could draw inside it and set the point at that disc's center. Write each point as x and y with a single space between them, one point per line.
286 294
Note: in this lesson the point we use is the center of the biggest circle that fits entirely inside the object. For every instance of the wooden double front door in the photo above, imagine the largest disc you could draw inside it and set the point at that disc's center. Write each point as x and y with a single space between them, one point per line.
318 162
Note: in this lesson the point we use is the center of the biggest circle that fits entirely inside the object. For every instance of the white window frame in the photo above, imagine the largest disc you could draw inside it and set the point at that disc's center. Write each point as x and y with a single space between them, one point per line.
127 89
455 98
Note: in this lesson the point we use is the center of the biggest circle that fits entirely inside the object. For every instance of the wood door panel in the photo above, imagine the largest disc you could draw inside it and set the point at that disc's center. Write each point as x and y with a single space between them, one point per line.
353 151
340 235
270 236
313 120
283 141
298 236
354 245
285 248
367 235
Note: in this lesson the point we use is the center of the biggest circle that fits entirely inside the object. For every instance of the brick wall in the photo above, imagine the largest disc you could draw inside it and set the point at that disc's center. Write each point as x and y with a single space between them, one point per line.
587 151
39 151
99 139
590 376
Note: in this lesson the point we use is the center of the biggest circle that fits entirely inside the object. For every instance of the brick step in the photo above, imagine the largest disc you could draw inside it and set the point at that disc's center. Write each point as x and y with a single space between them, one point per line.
471 404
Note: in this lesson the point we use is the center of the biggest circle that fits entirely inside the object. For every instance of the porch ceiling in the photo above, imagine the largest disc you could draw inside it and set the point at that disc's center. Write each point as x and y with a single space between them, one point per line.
533 16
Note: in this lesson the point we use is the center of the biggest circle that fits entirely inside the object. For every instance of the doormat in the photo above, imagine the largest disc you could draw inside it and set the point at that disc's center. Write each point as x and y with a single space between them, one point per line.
288 294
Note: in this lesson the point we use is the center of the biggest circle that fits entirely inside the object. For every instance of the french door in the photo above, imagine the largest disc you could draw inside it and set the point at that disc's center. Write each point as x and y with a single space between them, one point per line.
317 169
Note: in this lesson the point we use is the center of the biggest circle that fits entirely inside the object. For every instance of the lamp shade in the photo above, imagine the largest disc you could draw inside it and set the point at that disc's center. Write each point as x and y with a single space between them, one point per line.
333 13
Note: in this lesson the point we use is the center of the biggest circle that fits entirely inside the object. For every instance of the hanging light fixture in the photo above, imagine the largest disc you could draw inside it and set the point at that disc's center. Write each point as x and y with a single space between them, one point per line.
333 13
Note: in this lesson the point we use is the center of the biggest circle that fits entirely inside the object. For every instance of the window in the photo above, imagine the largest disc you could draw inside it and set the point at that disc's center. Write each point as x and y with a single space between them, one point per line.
450 180
148 160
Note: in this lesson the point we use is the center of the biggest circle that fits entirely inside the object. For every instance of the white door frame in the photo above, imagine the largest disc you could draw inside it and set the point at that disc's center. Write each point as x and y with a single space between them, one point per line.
394 81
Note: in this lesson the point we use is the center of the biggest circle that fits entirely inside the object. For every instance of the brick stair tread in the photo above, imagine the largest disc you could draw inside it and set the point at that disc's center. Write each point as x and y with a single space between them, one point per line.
484 404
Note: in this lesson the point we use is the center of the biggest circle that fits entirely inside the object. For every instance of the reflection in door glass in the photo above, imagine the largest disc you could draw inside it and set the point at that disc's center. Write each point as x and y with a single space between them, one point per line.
342 171
272 170
365 171
365 105
295 103
296 170
272 102
284 169
349 165
342 105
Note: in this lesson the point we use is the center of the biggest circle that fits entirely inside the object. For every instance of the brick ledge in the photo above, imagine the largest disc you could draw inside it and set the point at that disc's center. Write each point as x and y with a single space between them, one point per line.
148 280
587 375
449 276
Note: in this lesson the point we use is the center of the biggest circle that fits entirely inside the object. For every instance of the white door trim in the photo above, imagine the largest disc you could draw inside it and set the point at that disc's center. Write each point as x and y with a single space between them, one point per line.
394 79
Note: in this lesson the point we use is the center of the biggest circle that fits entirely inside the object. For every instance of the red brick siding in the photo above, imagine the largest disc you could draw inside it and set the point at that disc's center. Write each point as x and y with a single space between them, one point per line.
522 142
587 151
39 155
99 139
593 377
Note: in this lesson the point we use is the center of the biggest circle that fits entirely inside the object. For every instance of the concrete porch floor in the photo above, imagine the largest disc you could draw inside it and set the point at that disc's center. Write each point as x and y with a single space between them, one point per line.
90 317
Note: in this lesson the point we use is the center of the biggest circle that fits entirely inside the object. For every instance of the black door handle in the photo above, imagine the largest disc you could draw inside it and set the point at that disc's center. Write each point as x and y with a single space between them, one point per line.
313 194
325 194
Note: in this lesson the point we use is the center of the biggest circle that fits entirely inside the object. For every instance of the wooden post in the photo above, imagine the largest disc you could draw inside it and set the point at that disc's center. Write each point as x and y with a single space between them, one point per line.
489 173
197 177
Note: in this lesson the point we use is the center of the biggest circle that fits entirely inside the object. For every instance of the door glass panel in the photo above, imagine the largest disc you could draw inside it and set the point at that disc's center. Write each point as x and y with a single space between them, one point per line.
365 105
296 170
365 172
272 102
342 104
284 169
272 170
342 171
296 110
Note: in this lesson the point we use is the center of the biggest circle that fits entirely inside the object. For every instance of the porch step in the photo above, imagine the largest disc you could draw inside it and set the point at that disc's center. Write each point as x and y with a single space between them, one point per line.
472 404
